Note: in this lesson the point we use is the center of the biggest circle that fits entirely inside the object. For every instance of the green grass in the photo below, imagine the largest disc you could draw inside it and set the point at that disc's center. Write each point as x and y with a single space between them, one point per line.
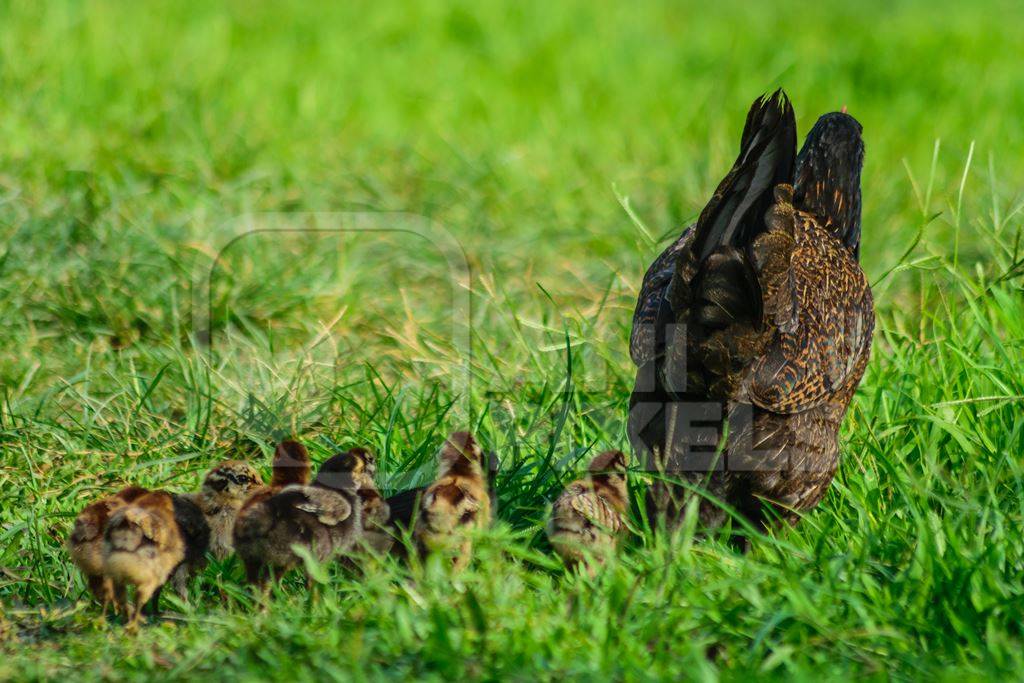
561 145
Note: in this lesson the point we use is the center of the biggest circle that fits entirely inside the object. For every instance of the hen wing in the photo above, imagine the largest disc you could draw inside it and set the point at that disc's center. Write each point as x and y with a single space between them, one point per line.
652 311
327 507
823 314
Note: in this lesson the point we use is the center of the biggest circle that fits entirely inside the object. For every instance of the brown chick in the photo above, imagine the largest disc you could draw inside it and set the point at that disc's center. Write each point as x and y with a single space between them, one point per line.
403 506
205 520
85 543
324 517
457 503
225 488
290 466
587 518
195 534
377 534
142 545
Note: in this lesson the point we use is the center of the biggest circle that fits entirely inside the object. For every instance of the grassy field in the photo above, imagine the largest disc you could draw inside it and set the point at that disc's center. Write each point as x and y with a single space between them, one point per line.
372 223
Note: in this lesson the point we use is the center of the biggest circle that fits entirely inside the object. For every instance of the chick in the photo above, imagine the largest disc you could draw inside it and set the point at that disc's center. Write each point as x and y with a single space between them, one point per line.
403 506
324 517
225 488
85 543
587 519
142 545
290 466
457 503
195 534
377 535
206 520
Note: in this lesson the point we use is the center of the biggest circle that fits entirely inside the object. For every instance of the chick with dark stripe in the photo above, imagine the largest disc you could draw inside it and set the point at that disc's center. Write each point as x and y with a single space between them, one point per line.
586 521
456 504
225 489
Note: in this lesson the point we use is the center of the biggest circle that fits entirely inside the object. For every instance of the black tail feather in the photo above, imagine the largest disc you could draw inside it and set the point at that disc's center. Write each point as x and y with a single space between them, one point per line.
827 176
735 214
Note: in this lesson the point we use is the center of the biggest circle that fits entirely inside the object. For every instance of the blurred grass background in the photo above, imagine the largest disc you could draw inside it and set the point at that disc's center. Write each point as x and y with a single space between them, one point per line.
561 145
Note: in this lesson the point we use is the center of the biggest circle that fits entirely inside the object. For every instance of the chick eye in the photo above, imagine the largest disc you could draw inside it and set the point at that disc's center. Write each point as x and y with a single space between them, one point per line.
467 517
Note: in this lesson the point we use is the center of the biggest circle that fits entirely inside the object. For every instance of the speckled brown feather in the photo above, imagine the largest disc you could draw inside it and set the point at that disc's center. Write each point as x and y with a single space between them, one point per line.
456 503
822 323
777 335
587 518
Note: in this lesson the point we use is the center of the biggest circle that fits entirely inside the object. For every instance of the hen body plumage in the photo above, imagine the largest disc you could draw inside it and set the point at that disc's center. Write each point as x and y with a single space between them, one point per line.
756 325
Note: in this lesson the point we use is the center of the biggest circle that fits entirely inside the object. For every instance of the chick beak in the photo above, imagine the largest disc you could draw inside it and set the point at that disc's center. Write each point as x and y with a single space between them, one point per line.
843 110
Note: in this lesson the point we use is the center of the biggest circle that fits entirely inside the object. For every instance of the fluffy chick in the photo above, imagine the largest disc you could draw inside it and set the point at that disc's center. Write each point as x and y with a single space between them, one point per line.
324 517
195 534
142 545
456 503
376 513
85 543
290 466
403 505
225 488
587 518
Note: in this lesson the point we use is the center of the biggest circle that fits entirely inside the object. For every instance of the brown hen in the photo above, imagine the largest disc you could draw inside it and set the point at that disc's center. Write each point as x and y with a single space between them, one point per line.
753 330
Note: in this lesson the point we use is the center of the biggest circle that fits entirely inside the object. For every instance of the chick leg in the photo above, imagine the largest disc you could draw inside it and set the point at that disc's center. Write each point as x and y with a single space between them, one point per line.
179 580
101 589
254 573
119 598
313 588
463 556
256 576
147 593
583 565
153 605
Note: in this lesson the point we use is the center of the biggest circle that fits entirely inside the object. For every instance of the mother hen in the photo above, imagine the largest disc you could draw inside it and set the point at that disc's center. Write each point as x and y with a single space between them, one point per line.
753 330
